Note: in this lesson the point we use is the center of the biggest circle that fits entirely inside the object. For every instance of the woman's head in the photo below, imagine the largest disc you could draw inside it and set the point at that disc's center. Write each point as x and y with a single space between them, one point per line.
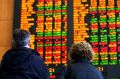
81 50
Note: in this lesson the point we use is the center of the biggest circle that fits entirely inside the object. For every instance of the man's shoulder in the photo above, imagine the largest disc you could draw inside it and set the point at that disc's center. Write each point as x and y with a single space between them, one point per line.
37 59
7 53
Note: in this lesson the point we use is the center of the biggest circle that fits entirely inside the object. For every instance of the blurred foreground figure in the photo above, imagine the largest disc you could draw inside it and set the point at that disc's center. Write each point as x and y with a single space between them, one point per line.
21 62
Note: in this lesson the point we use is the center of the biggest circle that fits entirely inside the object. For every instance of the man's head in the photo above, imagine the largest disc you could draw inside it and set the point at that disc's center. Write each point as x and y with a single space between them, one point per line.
21 38
81 50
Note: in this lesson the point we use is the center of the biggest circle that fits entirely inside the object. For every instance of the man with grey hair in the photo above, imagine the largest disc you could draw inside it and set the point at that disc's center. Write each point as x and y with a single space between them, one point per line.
21 62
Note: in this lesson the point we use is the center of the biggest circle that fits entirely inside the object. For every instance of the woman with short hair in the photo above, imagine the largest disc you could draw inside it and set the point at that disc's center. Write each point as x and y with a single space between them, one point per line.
81 55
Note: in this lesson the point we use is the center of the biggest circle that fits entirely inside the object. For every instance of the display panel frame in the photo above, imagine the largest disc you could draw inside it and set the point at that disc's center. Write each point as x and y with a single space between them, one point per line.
106 69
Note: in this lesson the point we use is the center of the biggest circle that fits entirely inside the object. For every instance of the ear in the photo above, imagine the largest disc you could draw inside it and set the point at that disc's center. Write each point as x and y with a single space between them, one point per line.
29 42
13 44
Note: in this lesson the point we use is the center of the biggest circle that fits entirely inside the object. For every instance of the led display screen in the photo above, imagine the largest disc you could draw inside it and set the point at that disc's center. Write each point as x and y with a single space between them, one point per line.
56 24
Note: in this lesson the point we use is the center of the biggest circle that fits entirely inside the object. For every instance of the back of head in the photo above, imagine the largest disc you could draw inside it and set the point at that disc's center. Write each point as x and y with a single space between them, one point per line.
20 38
81 50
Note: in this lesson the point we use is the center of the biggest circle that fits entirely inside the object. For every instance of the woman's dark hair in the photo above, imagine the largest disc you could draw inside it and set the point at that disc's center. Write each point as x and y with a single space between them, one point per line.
20 37
81 50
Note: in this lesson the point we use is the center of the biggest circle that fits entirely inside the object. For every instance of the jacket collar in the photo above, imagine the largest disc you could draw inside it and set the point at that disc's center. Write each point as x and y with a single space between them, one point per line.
82 60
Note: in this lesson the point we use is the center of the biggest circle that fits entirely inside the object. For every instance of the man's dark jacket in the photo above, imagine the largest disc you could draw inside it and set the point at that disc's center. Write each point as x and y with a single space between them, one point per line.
23 63
82 69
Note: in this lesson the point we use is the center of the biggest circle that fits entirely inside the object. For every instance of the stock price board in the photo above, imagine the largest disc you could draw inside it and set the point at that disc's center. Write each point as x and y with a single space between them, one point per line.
56 24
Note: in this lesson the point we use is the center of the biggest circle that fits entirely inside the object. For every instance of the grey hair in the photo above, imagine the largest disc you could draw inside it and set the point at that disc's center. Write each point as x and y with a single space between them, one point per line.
21 37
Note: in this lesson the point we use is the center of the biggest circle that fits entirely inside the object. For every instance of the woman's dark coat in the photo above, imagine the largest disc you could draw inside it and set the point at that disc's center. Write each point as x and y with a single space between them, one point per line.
82 69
